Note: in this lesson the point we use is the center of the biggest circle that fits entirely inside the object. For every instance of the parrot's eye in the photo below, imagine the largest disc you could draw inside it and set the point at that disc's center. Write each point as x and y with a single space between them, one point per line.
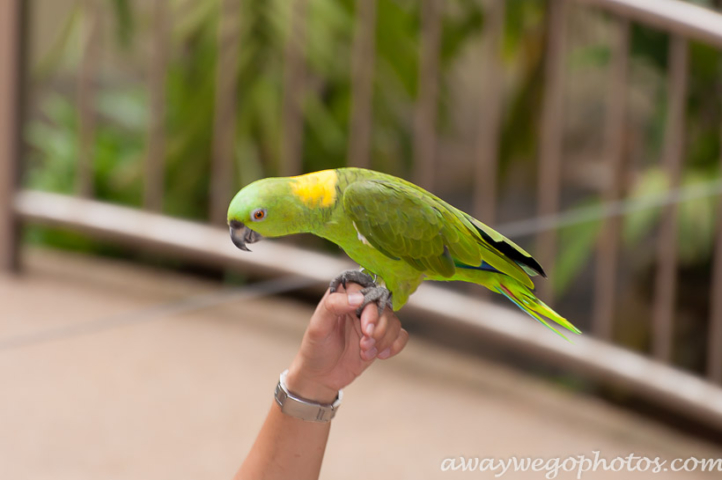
258 214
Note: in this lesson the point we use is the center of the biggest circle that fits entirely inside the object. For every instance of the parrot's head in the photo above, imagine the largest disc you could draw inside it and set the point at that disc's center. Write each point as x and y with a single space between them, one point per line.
264 208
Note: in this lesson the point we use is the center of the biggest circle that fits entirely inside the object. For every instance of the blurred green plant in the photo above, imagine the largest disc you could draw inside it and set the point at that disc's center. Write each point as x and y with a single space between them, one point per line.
191 87
697 218
122 111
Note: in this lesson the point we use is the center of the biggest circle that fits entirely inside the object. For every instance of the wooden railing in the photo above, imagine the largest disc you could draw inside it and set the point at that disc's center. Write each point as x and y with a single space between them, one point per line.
12 19
592 354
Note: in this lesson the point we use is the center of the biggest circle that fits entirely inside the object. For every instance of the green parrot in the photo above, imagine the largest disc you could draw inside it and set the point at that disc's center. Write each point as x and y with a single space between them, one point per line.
397 231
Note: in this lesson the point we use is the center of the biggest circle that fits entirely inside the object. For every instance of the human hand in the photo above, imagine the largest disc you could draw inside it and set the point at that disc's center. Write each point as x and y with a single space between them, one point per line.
337 347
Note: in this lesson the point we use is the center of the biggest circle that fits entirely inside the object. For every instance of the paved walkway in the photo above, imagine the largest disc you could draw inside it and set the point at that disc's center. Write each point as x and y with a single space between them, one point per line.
182 396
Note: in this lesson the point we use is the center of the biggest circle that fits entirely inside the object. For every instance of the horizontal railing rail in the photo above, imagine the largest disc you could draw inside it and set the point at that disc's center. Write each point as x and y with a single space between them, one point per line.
153 232
674 16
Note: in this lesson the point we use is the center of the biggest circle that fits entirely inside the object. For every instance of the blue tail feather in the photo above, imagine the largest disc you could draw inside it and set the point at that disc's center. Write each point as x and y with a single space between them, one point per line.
484 266
533 314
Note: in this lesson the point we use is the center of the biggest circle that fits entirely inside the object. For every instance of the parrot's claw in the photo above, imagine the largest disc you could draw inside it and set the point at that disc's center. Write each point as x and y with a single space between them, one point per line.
355 276
379 295
372 293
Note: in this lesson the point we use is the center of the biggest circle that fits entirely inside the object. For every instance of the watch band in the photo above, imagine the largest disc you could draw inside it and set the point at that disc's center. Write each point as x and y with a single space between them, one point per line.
298 407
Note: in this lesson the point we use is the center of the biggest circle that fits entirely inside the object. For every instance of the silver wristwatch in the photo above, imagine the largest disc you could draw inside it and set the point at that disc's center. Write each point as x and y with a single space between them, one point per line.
307 410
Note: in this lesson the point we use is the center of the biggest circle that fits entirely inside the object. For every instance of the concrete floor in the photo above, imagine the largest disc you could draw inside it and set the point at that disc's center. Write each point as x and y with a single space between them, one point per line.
183 395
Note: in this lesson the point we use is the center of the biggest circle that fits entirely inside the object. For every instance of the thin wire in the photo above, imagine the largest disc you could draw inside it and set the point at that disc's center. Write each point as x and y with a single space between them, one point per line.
157 312
532 226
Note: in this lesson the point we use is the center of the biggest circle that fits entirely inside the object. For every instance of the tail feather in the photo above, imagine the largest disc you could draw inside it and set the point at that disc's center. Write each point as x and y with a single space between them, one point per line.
529 303
522 296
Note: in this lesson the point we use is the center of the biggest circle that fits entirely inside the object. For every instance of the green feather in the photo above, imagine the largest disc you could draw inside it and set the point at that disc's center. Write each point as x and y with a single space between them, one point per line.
526 301
403 221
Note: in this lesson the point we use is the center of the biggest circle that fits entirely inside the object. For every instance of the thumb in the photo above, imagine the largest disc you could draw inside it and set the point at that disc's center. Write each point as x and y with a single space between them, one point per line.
333 306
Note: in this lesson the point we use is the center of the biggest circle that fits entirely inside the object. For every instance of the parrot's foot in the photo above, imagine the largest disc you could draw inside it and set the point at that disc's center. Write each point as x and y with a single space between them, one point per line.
379 295
355 276
372 293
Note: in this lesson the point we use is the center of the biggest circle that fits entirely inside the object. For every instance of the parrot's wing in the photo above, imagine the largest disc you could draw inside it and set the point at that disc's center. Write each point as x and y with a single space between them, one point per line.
407 223
508 248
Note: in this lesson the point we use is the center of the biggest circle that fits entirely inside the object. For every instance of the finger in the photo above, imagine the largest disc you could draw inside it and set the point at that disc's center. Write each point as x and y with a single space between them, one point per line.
353 287
369 319
396 346
393 327
366 343
369 355
330 308
381 324
342 303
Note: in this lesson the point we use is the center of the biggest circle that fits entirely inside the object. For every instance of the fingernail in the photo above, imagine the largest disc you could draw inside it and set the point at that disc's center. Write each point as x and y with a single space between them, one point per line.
385 353
355 299
370 341
370 329
371 353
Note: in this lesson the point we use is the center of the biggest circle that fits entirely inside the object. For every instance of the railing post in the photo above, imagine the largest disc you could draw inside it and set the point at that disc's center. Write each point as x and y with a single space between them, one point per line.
615 126
362 84
12 24
155 155
551 136
714 343
294 79
86 90
224 125
666 281
490 111
427 103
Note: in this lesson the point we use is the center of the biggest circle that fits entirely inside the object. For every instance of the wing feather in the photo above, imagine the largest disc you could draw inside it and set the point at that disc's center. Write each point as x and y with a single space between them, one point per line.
405 222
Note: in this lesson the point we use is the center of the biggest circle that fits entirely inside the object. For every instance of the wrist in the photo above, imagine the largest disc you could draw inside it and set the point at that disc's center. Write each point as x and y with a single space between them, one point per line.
309 388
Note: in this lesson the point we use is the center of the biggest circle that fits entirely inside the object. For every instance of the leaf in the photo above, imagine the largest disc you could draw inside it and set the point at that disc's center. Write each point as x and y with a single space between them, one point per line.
124 22
637 224
576 243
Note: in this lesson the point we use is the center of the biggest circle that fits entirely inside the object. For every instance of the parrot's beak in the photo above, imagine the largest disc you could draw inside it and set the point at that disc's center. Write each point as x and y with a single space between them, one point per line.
241 235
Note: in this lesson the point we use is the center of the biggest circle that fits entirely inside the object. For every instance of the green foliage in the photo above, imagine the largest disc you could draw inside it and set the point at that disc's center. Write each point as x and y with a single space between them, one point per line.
121 106
524 41
575 244
53 155
696 218
124 21
119 144
55 151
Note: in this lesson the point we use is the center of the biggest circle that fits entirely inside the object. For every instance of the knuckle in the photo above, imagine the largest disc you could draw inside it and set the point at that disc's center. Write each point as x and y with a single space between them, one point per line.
380 330
400 342
370 314
333 303
386 342
314 334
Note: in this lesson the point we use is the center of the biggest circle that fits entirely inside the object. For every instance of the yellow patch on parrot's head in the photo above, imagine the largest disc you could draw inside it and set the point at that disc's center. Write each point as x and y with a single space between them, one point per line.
316 189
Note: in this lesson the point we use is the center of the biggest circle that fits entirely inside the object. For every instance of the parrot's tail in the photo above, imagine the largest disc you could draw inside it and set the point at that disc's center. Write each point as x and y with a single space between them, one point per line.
527 301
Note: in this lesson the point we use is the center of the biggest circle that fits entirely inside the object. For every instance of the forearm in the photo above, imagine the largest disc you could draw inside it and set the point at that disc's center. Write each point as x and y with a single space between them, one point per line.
286 447
337 347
